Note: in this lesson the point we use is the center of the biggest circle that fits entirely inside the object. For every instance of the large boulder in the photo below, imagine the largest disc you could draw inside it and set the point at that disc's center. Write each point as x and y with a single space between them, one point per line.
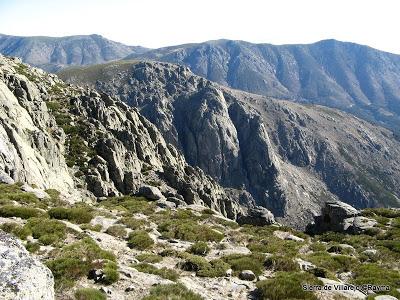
258 216
150 192
22 276
340 217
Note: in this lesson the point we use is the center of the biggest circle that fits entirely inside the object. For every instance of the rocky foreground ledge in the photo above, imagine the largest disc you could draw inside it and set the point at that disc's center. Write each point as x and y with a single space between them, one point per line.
22 277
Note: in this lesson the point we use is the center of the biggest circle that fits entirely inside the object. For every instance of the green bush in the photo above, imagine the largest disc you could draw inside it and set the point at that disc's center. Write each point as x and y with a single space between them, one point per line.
202 267
133 223
149 258
8 211
55 198
19 231
77 215
140 239
32 247
173 292
370 273
189 230
13 192
240 262
130 204
75 261
331 236
336 263
89 294
47 231
396 223
163 272
91 227
383 212
111 273
281 263
117 231
217 268
199 248
287 285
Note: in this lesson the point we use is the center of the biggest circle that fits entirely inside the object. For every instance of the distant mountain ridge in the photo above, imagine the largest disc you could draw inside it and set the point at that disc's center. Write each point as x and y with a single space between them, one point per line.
55 53
352 77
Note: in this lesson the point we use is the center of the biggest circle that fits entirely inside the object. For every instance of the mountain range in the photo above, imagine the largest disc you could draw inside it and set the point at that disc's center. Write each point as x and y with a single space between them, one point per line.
354 78
348 76
54 53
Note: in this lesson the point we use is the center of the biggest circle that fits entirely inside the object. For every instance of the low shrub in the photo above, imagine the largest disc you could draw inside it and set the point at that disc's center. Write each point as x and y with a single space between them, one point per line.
140 239
91 227
335 263
173 292
47 231
13 192
149 258
117 231
130 204
287 285
370 273
77 215
22 212
199 248
281 263
189 230
19 231
74 261
133 223
202 267
111 273
240 262
89 294
383 212
32 247
163 272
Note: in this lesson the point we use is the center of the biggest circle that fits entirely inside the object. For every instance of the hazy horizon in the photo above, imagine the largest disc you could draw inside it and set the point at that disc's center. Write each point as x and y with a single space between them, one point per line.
155 23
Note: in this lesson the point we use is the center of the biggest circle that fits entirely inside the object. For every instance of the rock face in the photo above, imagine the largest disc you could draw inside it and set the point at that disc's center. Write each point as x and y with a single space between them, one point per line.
340 217
83 143
52 54
28 152
355 78
258 216
286 157
22 277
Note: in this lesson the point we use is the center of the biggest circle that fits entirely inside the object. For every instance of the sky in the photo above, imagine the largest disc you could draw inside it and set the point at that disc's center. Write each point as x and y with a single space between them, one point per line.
158 23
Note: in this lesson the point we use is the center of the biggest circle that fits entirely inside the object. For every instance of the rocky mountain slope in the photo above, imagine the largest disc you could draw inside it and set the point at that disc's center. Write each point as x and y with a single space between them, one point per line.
290 158
54 53
354 78
83 143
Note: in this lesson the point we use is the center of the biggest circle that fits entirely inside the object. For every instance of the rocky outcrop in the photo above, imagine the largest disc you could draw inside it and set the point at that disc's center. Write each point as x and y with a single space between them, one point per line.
340 217
258 216
84 143
22 277
289 158
31 144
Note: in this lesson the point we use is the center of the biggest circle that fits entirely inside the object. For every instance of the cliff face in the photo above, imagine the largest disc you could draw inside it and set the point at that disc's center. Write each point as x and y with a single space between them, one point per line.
84 143
290 157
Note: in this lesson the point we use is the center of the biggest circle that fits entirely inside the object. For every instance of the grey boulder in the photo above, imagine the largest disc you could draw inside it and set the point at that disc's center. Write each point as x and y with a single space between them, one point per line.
22 277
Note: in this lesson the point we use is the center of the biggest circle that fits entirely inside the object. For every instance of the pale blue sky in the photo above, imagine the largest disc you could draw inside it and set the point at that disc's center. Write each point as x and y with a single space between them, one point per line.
156 23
